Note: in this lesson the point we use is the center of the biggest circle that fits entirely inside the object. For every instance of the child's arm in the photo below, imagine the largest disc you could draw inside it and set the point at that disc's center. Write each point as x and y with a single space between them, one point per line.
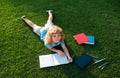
57 51
67 53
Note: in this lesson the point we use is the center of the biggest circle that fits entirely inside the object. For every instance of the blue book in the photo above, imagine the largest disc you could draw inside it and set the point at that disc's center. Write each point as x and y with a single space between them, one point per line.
91 40
83 60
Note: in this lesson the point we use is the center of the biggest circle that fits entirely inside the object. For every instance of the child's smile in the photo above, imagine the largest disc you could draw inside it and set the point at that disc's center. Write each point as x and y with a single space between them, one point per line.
56 38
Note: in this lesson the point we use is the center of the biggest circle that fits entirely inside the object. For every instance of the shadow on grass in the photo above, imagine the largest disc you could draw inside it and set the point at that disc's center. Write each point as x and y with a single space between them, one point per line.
72 71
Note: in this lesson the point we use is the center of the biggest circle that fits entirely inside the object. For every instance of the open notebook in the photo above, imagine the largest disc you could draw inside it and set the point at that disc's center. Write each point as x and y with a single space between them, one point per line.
52 60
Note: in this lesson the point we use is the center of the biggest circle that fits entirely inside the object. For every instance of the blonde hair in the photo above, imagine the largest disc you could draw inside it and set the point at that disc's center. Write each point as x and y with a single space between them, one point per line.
54 30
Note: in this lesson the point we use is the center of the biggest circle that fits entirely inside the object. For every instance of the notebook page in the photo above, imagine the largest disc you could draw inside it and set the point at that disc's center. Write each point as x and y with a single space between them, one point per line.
46 61
60 59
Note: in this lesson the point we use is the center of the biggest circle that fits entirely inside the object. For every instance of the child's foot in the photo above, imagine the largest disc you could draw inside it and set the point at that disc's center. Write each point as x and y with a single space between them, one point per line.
23 17
49 11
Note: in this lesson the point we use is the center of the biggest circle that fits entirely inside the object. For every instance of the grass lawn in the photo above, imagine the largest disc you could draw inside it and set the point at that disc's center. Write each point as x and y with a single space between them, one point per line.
20 47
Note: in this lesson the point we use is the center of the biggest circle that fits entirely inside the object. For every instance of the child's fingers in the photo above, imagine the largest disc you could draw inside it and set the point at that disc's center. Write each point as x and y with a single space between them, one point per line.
70 60
61 54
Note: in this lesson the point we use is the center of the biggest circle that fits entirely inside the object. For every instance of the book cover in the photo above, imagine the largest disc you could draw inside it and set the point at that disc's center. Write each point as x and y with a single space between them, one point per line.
83 60
91 40
52 60
81 38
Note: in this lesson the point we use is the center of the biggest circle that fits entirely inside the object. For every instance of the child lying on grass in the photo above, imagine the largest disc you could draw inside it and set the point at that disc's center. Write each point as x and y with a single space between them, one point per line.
52 35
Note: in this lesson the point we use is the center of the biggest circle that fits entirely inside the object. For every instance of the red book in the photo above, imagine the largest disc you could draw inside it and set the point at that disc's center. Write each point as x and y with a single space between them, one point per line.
81 38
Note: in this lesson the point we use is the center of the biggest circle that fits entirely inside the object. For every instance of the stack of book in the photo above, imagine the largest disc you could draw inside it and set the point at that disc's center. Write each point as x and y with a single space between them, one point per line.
82 38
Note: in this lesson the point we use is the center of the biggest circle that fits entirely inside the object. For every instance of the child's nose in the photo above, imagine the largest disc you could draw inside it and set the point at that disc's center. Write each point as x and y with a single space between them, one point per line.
57 37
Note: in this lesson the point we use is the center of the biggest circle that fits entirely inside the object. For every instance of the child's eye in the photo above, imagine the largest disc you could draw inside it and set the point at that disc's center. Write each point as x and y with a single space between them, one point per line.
53 36
59 35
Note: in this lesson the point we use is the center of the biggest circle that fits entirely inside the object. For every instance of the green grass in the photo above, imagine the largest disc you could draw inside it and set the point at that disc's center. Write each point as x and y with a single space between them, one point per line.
20 47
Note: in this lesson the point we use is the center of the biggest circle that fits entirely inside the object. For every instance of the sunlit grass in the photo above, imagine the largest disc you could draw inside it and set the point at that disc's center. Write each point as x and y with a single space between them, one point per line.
20 47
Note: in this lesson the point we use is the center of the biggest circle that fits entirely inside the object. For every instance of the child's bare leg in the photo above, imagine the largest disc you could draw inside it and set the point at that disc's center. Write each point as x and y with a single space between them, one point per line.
28 22
50 17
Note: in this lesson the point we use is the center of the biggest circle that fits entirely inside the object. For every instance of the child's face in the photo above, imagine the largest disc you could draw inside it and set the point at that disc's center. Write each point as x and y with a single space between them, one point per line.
56 38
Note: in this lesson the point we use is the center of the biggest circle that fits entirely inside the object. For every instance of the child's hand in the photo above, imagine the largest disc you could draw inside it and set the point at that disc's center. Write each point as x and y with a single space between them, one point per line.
61 53
70 59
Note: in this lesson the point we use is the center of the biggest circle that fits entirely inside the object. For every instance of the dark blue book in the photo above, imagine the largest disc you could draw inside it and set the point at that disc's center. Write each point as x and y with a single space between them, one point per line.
91 40
83 60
